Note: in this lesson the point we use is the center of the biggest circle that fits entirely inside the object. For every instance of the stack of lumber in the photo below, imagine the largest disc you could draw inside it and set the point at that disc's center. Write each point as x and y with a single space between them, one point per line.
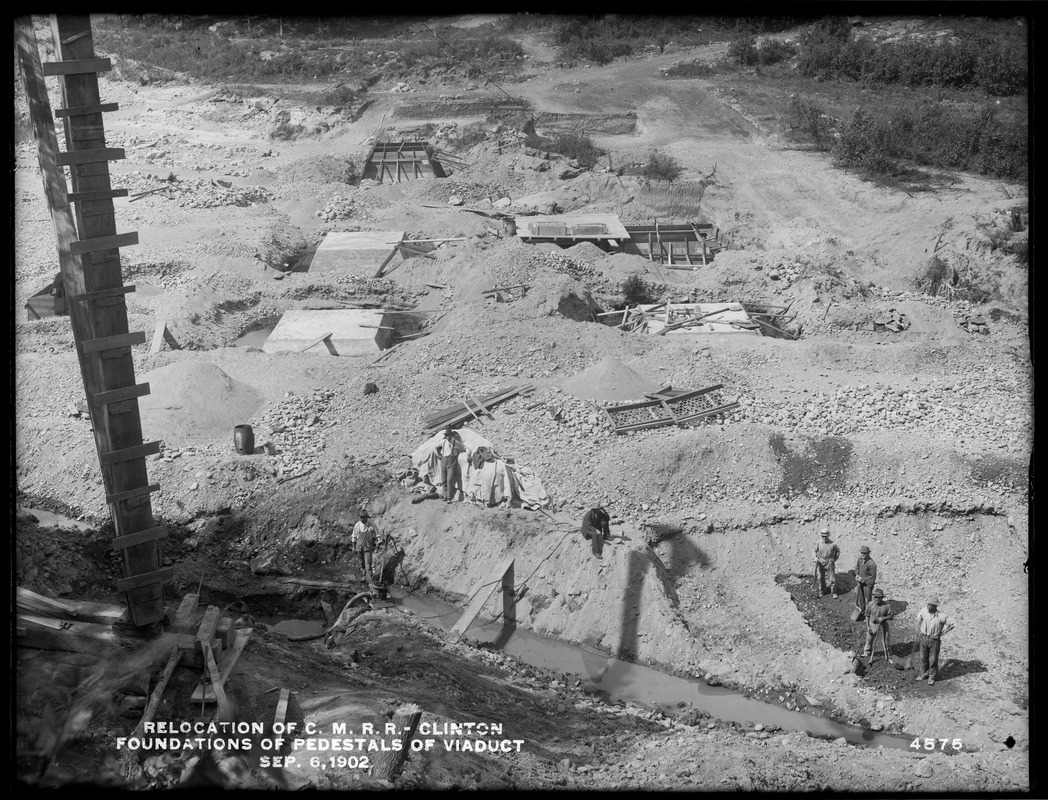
469 409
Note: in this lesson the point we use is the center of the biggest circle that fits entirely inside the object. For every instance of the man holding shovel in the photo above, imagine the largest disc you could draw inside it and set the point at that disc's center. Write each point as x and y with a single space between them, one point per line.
931 626
877 614
865 578
826 555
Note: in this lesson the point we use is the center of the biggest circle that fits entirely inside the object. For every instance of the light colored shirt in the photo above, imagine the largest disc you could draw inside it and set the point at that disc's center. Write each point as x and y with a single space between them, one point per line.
360 528
451 447
933 625
826 552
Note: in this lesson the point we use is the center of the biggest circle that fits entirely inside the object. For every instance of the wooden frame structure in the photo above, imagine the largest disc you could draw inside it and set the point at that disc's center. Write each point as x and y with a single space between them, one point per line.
396 162
679 246
89 259
668 407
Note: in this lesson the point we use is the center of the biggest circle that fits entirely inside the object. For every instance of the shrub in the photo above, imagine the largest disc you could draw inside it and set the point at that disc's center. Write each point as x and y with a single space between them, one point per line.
661 167
743 50
806 120
772 51
933 276
636 290
573 145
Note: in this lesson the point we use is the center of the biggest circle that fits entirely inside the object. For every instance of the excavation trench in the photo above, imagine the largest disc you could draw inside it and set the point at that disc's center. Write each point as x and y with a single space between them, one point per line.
620 680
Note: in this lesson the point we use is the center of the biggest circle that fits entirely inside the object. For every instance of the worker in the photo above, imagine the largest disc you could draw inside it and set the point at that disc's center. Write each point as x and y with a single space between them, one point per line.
449 450
931 626
364 537
865 578
826 554
596 526
877 613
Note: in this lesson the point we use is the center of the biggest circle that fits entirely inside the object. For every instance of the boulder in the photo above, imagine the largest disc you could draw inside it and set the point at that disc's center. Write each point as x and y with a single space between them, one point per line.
269 564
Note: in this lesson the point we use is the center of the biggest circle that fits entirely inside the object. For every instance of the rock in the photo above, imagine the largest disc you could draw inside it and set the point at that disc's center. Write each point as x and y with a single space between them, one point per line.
454 200
271 564
503 202
812 701
840 741
923 769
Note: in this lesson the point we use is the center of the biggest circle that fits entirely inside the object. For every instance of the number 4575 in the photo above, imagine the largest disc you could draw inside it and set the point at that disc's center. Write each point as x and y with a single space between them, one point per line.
929 744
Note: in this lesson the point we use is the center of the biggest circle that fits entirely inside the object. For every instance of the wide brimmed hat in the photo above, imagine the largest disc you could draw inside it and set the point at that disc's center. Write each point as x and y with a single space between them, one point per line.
864 549
825 532
933 600
878 592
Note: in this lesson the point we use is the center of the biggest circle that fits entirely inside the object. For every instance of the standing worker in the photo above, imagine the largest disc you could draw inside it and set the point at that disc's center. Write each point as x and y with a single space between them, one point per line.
826 554
877 614
364 537
865 578
596 526
450 448
931 626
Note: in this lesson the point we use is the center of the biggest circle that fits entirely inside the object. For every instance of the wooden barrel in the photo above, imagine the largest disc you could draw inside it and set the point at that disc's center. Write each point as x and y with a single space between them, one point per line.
244 440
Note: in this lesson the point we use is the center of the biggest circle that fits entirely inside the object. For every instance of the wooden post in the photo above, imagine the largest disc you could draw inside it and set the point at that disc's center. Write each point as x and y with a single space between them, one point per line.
388 763
117 426
509 601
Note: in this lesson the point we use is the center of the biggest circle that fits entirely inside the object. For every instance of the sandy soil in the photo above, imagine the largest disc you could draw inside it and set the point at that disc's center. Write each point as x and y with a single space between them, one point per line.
915 443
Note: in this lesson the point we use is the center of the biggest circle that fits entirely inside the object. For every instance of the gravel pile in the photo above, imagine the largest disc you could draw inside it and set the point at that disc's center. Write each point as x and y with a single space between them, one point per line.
296 429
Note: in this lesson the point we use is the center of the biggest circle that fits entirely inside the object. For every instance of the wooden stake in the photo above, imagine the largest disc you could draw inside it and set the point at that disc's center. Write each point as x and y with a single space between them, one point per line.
388 763
158 692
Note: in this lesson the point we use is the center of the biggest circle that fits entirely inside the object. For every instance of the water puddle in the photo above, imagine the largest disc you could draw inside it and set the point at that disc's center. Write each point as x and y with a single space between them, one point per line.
48 519
623 680
254 338
293 627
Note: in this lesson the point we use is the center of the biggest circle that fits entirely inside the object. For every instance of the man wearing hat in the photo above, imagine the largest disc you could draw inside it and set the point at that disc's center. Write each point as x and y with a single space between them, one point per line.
865 578
931 626
363 539
826 554
877 614
596 526
449 450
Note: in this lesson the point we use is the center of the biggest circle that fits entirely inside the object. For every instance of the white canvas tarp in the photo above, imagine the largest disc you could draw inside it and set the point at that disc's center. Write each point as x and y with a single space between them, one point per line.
492 483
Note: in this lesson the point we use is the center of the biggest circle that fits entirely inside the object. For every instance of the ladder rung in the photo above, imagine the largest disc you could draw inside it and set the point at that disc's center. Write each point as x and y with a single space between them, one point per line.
102 194
89 156
75 37
145 579
114 342
129 453
80 66
114 291
125 393
83 111
150 535
102 243
131 493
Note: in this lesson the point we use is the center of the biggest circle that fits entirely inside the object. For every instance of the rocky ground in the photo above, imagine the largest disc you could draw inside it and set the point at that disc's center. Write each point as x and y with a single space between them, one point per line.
916 442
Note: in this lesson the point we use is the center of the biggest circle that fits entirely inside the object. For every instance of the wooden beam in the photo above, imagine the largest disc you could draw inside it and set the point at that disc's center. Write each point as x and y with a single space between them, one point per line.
485 587
130 494
206 694
140 451
145 579
103 243
315 342
382 266
131 539
282 704
41 604
101 194
186 613
114 291
158 692
216 678
206 631
89 156
158 337
83 111
77 67
125 393
114 342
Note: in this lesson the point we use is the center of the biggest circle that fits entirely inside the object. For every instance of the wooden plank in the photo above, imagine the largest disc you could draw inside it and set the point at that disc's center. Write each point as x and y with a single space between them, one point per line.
481 405
482 592
102 613
217 682
415 251
206 631
83 111
124 393
94 156
126 454
131 539
129 494
115 291
158 692
27 597
103 243
472 412
315 342
225 632
114 342
100 194
158 337
282 704
145 579
206 694
77 66
382 266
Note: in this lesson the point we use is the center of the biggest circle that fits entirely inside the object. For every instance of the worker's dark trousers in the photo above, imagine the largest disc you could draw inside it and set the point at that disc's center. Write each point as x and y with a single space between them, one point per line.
452 478
597 542
827 573
871 639
929 655
863 595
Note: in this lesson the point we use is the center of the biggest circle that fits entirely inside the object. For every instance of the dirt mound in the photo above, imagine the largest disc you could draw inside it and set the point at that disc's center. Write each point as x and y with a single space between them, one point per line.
319 169
610 380
194 401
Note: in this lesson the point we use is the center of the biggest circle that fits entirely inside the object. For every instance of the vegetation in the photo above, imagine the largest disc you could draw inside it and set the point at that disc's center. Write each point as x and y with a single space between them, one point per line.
636 290
806 120
747 50
994 65
468 136
660 167
571 145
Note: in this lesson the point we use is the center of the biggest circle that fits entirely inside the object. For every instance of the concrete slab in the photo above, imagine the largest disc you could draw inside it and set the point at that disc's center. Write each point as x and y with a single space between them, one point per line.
356 253
349 336
571 227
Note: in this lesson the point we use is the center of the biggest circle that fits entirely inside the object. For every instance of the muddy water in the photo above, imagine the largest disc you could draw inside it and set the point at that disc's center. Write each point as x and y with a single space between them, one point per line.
48 519
293 627
626 681
254 338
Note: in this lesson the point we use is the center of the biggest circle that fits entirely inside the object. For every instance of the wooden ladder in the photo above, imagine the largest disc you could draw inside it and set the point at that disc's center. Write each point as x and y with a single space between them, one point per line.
89 259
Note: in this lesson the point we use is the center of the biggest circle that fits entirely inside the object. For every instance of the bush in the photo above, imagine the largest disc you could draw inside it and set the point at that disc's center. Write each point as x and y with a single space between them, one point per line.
743 50
636 290
661 167
573 145
806 120
772 51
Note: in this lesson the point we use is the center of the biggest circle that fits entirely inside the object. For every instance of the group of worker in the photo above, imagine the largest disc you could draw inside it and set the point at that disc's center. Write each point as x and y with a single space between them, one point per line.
872 607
